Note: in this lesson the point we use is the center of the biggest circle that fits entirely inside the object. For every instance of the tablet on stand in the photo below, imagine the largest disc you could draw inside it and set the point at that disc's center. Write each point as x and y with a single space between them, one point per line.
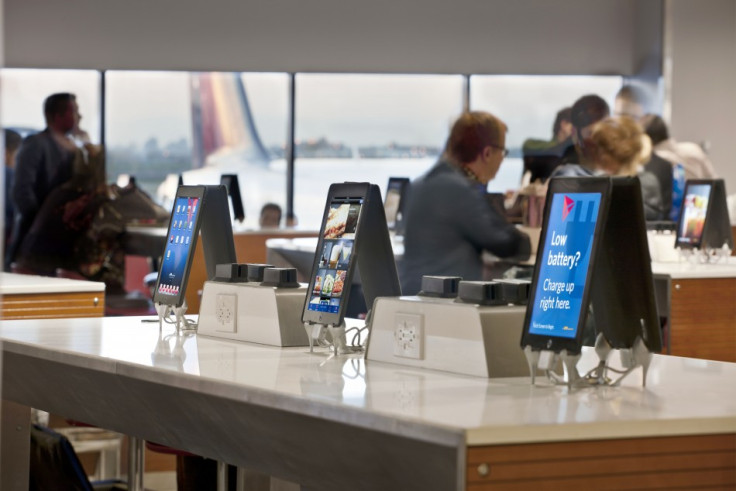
353 235
196 209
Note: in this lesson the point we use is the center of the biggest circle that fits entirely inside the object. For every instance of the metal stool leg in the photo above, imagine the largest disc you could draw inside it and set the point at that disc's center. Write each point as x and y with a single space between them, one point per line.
221 476
135 464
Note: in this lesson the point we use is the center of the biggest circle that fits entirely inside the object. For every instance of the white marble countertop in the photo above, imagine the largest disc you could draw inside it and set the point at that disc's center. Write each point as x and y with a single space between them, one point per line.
16 284
725 268
683 396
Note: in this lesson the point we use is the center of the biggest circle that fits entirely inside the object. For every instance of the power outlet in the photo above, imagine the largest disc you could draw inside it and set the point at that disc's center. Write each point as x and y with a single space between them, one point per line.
226 312
409 335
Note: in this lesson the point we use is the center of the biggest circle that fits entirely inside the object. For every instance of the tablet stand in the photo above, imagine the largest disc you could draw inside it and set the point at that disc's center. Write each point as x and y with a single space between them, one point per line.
375 264
600 375
317 334
182 324
705 255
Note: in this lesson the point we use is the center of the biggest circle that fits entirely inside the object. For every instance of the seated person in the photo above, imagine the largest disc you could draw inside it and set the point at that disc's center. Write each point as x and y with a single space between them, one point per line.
542 156
449 221
578 160
270 216
620 148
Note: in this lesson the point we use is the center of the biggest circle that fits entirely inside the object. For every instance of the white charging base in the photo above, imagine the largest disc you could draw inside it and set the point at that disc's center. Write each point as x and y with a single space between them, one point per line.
444 335
253 313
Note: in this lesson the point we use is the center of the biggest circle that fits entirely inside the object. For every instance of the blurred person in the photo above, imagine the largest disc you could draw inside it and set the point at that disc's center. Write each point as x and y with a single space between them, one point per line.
270 216
449 221
620 147
43 163
630 101
12 142
541 157
691 156
579 161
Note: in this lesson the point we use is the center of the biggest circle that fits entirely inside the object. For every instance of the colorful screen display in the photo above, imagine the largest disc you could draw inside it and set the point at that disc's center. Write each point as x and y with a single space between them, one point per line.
337 251
568 243
179 242
694 210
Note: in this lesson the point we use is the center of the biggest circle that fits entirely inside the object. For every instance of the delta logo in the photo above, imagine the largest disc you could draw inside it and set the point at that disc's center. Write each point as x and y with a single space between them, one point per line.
567 207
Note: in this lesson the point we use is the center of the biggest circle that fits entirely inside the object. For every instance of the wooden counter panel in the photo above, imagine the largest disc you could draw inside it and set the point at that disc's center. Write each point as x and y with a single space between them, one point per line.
52 305
646 463
703 318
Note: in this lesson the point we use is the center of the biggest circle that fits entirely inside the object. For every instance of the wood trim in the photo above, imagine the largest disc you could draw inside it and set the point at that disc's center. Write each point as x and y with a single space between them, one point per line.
52 305
642 463
703 318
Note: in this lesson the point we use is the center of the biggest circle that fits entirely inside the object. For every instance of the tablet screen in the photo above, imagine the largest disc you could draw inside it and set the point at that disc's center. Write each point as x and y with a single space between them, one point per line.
179 244
563 265
694 211
336 252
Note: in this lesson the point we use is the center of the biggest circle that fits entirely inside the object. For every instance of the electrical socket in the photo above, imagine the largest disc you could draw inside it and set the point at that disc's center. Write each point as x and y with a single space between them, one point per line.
409 335
226 312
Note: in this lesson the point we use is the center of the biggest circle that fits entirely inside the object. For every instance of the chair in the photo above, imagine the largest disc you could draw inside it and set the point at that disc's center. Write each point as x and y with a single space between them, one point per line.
55 465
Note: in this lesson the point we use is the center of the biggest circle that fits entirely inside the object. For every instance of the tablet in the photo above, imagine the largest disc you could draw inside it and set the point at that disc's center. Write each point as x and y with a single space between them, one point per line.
693 214
181 238
575 210
394 195
334 263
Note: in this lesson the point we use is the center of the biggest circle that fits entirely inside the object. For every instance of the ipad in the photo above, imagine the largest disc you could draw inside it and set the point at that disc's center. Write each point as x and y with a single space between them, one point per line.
575 210
392 205
334 264
693 213
181 238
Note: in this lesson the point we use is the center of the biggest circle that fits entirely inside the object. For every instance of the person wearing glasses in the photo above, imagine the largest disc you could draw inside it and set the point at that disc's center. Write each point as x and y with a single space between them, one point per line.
449 220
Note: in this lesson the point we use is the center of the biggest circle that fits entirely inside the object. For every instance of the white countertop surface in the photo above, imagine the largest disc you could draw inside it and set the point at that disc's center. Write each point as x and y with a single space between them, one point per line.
725 268
683 396
15 284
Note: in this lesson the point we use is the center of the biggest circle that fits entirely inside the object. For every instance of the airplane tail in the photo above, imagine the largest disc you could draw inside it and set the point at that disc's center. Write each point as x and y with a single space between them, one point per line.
223 129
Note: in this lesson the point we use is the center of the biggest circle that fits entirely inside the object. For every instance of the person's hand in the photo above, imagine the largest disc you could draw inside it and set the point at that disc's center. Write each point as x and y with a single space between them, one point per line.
81 135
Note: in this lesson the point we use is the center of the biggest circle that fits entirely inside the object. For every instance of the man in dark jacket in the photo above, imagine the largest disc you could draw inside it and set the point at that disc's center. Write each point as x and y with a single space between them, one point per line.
43 163
449 220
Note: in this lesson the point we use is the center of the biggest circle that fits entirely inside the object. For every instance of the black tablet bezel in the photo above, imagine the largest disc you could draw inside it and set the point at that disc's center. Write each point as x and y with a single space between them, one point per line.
678 236
570 185
347 192
182 192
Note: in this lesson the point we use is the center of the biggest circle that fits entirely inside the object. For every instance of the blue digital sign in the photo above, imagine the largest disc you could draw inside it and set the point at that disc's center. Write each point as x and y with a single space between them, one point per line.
564 263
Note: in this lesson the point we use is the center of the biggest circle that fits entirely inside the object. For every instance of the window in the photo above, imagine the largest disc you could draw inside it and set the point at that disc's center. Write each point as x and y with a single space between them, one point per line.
367 128
528 104
199 125
24 90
